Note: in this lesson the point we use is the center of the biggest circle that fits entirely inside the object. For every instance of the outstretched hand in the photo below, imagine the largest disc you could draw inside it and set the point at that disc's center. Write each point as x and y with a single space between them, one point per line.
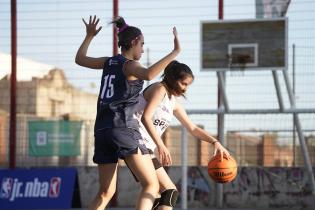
91 27
218 148
176 41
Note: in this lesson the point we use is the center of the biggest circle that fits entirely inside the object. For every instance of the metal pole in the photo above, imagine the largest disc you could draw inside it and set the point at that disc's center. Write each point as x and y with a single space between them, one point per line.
115 37
221 80
86 128
293 88
113 201
184 169
250 111
219 186
278 89
220 120
304 149
221 9
13 85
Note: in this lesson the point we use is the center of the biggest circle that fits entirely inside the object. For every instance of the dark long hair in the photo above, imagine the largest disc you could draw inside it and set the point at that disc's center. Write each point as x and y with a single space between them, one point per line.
173 72
126 33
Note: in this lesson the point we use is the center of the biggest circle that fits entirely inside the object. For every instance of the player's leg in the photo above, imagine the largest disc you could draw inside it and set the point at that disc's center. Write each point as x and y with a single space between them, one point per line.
107 181
106 157
168 191
142 167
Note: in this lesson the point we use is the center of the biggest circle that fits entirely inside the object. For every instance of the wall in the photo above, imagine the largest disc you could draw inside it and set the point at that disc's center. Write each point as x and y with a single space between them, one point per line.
254 187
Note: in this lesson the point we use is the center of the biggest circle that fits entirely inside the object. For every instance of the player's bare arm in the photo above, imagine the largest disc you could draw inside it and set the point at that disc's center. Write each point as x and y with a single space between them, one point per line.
136 70
81 57
197 132
154 98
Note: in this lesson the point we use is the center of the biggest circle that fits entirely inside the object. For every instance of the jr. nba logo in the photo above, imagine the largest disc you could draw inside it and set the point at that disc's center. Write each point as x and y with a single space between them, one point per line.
6 187
55 183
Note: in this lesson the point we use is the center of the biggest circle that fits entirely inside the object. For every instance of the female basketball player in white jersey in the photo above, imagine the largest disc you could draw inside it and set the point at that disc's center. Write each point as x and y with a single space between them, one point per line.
157 105
116 131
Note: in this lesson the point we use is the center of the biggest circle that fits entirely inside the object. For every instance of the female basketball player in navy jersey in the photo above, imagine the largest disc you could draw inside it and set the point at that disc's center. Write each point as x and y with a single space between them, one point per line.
157 105
116 130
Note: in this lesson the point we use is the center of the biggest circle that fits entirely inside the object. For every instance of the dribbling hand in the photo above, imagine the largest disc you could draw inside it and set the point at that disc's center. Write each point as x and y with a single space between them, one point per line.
218 148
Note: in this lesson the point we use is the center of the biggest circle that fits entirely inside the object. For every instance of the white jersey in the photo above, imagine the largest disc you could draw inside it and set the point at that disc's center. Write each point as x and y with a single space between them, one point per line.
161 119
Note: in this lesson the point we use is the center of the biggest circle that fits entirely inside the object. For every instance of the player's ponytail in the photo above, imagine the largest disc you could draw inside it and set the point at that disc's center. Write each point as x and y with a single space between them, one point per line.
126 33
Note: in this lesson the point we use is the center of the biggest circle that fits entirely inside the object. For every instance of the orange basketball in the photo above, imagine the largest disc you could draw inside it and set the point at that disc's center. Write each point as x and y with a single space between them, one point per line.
222 171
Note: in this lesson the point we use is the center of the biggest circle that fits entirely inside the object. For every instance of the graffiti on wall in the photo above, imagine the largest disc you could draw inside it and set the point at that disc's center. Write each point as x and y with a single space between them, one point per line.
253 187
269 187
199 188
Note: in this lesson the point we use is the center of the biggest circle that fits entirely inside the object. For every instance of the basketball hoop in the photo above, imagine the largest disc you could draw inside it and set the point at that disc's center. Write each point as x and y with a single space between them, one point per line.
237 64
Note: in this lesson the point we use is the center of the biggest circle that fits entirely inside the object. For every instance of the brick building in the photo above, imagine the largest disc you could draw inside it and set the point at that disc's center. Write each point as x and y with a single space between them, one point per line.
49 96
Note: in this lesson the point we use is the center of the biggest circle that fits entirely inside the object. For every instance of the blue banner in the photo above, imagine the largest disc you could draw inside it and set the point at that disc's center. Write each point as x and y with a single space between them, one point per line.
37 188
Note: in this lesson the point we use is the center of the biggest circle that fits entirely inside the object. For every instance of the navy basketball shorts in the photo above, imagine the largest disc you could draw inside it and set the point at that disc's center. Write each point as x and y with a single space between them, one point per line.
116 143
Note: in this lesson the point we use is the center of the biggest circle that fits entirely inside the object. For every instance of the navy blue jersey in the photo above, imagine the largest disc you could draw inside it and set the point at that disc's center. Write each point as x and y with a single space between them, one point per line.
118 97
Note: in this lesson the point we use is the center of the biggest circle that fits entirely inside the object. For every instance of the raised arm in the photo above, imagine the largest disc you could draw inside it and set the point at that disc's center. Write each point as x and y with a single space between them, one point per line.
154 98
137 70
81 57
197 132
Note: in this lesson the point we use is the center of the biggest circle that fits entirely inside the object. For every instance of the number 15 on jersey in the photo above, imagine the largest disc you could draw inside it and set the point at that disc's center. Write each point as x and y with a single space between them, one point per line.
108 88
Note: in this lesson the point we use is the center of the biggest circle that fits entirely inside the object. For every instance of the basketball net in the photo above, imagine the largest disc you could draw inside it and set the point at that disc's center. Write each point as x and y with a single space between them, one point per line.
238 71
237 65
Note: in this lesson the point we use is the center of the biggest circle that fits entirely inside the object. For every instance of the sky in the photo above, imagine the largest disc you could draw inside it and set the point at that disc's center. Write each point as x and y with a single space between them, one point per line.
51 31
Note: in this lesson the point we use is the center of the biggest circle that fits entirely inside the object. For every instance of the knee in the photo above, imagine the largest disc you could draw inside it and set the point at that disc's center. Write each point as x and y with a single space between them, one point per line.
152 182
169 198
152 186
